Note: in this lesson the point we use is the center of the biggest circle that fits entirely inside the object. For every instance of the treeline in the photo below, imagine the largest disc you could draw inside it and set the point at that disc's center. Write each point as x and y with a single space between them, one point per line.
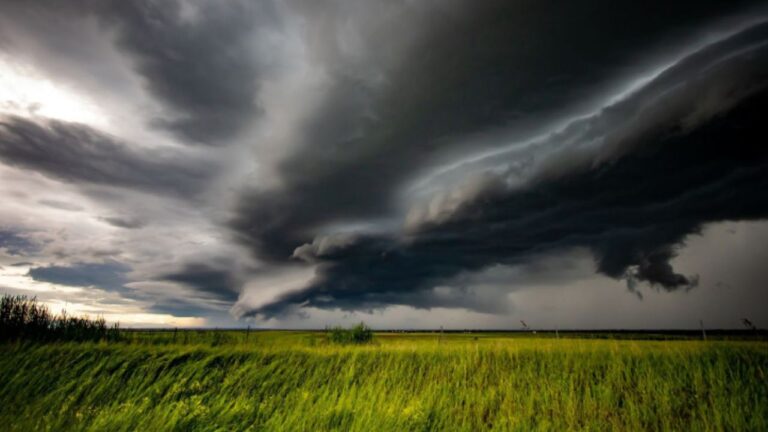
24 319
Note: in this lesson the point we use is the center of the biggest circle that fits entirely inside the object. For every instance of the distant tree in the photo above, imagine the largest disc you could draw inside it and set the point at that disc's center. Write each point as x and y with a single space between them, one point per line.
358 334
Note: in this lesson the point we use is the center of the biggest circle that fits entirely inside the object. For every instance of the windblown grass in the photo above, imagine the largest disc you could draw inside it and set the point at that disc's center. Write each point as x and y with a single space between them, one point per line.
296 381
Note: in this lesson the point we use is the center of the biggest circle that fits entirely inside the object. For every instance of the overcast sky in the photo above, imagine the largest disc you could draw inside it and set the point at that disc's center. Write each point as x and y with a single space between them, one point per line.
412 164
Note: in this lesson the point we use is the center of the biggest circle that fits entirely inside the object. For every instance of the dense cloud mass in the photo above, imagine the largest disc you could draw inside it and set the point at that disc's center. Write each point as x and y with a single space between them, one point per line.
523 61
630 219
209 280
591 187
196 58
262 160
79 154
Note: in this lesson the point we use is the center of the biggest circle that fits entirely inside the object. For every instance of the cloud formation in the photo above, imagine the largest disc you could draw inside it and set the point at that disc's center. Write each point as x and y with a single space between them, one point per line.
375 131
214 282
699 123
109 275
79 154
199 59
273 159
15 243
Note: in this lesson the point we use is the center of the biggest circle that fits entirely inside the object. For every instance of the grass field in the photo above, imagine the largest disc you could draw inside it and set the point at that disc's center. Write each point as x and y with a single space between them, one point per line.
297 381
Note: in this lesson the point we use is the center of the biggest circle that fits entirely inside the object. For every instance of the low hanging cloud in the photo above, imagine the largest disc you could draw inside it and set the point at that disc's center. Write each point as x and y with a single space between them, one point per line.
110 276
705 133
211 281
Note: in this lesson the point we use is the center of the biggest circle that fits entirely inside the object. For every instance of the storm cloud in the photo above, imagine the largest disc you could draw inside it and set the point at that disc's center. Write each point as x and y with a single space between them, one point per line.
371 136
209 280
199 59
699 123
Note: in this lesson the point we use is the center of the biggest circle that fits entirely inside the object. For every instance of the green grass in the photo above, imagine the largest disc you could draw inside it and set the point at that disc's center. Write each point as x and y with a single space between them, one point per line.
296 381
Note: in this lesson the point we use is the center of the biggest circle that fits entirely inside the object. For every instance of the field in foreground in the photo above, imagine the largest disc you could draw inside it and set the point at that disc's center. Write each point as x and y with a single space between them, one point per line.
295 381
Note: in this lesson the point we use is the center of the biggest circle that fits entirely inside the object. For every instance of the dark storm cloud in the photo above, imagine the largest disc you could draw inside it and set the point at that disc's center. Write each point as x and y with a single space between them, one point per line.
79 154
681 97
687 150
110 276
182 308
211 281
463 68
198 58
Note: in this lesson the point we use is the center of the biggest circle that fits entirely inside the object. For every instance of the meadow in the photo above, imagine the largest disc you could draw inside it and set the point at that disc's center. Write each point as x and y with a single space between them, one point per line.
301 381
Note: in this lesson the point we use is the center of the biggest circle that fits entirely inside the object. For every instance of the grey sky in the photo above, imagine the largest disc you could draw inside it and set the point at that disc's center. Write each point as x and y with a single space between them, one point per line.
412 164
